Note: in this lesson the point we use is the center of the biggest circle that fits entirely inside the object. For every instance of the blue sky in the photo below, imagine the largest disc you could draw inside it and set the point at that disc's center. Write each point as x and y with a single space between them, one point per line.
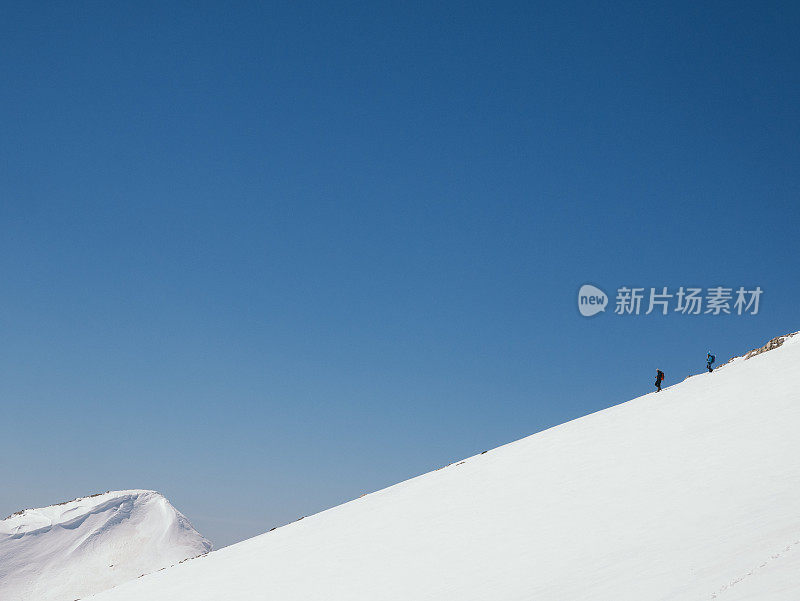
265 258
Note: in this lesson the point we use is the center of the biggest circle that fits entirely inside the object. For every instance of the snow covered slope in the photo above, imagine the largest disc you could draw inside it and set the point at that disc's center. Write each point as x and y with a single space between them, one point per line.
74 549
691 493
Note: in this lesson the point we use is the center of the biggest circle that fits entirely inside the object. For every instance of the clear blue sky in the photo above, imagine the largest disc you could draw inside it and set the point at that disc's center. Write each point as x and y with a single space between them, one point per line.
265 258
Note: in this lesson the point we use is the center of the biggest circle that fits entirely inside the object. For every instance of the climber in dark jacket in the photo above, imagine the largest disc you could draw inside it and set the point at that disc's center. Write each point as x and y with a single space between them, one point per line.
659 379
709 361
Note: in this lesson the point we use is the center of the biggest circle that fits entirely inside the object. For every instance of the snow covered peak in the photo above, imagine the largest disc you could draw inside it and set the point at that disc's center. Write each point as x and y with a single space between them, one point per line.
28 520
73 549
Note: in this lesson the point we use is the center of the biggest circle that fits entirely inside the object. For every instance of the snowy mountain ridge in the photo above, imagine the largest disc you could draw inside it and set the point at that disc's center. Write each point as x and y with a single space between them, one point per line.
33 518
690 493
770 345
73 549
